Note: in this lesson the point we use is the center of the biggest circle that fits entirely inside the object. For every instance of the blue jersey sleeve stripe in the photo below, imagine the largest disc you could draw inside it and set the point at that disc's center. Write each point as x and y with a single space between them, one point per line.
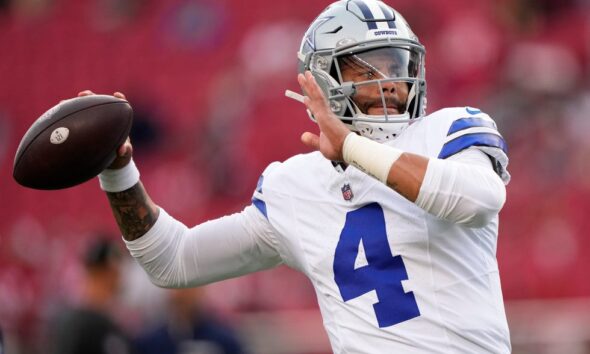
260 205
480 139
259 184
471 122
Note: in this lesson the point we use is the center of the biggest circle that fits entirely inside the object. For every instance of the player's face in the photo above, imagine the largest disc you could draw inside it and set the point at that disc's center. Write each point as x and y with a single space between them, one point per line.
385 63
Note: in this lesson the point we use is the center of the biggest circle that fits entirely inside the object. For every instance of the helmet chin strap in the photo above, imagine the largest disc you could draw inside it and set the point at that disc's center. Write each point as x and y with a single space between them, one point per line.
381 132
299 98
294 95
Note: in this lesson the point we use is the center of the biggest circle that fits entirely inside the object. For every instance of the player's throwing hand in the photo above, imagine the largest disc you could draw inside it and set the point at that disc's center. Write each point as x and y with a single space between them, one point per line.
332 130
125 151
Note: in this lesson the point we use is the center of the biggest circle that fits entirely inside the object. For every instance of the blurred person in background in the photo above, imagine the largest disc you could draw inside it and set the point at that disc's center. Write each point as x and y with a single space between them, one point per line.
394 219
89 327
188 328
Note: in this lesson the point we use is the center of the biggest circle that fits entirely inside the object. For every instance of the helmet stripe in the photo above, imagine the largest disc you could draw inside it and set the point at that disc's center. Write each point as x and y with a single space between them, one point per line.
388 14
367 13
378 14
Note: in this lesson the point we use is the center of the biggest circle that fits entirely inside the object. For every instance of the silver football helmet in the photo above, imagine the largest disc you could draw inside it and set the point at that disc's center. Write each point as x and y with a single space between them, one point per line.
359 45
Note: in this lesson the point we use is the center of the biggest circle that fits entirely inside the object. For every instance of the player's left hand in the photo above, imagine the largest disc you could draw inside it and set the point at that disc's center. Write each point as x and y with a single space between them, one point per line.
332 130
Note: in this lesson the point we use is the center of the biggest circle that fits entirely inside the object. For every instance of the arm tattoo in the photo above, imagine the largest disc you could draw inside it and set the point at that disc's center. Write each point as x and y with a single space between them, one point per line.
134 211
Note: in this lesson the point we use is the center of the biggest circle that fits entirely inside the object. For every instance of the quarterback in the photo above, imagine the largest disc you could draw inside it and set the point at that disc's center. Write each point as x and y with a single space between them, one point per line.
394 217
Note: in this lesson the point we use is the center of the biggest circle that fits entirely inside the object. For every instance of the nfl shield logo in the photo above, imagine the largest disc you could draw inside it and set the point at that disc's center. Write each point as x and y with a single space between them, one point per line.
347 192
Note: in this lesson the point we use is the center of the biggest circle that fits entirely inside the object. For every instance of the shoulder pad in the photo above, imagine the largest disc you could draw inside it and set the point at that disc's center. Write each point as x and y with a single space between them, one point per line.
471 128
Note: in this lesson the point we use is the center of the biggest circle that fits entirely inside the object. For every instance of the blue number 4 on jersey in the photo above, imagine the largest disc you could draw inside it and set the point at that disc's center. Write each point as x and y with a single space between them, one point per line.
383 273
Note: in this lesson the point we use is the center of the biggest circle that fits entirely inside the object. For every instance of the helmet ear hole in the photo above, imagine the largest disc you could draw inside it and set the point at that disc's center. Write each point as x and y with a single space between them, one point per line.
323 80
326 83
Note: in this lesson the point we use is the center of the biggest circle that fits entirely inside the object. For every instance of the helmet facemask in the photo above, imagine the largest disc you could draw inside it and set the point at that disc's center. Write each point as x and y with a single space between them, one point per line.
374 87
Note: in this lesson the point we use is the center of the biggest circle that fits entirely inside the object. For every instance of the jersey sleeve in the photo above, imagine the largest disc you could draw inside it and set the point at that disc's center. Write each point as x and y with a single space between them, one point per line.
175 256
471 128
463 189
258 198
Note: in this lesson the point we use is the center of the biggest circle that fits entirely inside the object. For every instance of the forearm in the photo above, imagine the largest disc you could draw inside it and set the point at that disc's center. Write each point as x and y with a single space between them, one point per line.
176 256
466 191
407 175
132 207
134 211
403 172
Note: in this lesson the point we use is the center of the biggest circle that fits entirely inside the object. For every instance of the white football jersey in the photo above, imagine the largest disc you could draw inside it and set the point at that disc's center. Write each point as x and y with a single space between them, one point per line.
389 277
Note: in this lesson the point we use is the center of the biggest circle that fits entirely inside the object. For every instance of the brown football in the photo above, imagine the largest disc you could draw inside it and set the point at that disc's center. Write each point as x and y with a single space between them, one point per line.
72 142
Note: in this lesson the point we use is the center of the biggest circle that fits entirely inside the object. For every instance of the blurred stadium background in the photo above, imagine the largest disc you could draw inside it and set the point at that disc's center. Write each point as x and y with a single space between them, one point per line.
206 79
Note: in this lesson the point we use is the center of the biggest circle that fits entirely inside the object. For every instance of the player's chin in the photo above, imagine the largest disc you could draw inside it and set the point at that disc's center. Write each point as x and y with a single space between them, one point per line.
379 111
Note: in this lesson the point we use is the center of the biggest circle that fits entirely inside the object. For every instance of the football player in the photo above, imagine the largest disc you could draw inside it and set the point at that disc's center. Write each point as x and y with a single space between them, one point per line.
394 219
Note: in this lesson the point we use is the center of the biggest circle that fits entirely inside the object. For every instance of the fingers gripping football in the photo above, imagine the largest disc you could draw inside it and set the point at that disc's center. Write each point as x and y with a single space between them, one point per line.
332 130
125 151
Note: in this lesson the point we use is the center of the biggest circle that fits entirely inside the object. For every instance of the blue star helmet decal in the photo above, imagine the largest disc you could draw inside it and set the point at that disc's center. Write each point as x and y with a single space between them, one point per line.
309 41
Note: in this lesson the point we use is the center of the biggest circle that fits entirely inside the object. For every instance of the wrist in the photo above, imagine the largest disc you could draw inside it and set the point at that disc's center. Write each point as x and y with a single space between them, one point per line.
118 180
371 157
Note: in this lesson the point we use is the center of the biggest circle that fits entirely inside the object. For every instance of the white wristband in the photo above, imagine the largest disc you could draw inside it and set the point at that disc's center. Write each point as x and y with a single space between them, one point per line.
369 156
120 179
